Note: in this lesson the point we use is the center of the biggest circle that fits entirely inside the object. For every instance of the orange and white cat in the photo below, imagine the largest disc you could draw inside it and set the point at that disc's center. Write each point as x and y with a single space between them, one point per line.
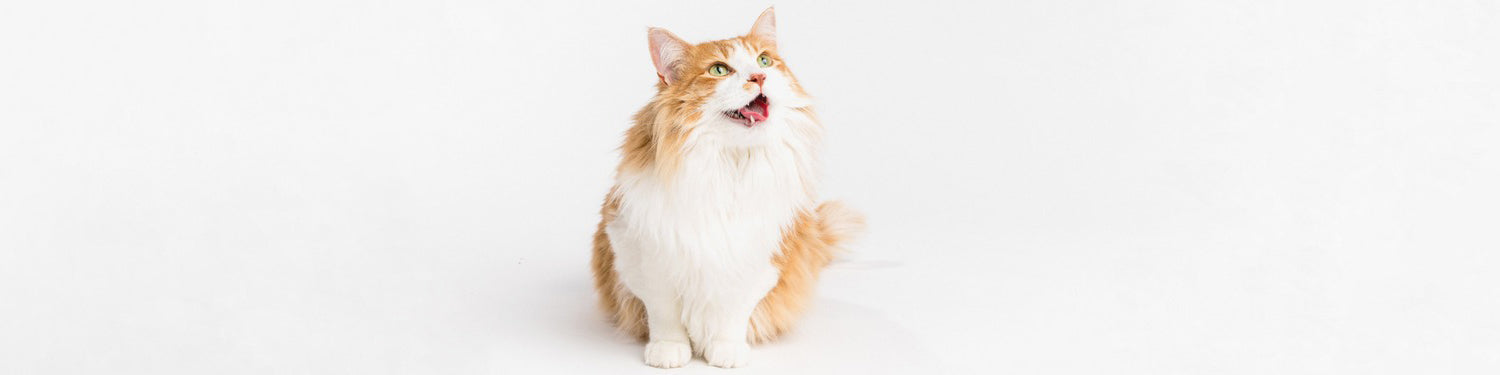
713 237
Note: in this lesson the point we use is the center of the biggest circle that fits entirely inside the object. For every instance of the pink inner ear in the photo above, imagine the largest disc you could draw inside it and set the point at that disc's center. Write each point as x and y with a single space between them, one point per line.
666 52
765 25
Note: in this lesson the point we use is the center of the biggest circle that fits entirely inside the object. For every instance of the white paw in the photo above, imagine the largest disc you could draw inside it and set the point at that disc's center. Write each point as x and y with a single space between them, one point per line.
668 354
727 354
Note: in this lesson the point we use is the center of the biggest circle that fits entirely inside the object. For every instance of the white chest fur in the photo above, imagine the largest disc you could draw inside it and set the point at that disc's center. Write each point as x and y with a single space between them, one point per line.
704 241
721 208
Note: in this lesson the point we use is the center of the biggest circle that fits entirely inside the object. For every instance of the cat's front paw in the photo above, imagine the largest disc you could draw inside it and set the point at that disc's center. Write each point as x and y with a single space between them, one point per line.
727 354
668 354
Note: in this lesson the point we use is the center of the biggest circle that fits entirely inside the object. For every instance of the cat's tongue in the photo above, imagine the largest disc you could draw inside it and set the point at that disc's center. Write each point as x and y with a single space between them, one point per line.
752 115
756 110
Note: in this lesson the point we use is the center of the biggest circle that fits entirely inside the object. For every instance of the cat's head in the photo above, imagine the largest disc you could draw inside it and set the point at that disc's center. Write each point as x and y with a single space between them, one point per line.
733 87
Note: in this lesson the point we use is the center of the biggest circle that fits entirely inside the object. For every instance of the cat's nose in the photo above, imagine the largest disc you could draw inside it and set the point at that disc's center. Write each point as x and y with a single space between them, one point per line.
759 79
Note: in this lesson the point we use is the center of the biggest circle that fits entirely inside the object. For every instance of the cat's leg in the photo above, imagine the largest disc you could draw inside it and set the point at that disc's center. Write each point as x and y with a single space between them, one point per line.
725 342
668 346
727 345
649 281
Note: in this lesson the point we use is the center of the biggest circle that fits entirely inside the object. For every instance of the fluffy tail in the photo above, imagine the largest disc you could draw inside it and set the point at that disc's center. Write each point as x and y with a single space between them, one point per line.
838 224
807 248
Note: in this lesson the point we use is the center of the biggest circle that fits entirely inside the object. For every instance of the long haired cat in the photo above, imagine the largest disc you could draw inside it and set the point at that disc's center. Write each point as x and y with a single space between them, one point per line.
712 237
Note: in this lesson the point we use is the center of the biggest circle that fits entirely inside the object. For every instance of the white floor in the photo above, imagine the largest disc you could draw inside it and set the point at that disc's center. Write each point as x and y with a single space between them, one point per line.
315 187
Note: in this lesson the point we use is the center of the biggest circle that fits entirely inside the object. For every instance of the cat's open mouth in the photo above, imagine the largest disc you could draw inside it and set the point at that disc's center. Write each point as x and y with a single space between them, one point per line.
752 113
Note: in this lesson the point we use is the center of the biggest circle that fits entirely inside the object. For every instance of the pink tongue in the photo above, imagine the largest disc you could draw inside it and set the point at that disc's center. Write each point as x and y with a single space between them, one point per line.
752 114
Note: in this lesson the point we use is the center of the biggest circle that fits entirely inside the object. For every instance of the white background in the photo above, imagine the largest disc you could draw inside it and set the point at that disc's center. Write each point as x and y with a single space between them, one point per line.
409 187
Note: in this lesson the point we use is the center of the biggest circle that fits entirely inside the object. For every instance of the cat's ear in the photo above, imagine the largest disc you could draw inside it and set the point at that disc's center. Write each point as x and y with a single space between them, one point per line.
667 51
765 26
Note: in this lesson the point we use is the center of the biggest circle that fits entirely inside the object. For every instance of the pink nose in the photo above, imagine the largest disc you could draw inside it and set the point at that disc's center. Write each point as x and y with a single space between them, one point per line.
759 79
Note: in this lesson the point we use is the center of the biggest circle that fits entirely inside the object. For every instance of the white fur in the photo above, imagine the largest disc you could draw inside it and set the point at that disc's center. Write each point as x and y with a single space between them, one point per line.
697 249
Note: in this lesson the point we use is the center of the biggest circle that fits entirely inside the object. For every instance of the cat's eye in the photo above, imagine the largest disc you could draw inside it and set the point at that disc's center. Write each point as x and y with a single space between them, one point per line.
764 60
719 70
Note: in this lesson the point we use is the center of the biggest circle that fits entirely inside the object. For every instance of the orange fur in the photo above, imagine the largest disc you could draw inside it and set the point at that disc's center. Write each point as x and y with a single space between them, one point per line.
655 143
805 250
662 127
627 311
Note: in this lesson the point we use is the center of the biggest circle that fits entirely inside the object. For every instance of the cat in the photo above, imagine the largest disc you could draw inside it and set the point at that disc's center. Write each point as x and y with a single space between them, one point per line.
711 237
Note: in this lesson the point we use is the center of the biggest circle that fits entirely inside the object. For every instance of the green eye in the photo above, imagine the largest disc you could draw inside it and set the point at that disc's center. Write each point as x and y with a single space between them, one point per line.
765 60
719 70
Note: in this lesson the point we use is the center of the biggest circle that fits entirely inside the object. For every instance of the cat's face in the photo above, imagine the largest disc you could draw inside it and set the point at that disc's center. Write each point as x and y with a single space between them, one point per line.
732 89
